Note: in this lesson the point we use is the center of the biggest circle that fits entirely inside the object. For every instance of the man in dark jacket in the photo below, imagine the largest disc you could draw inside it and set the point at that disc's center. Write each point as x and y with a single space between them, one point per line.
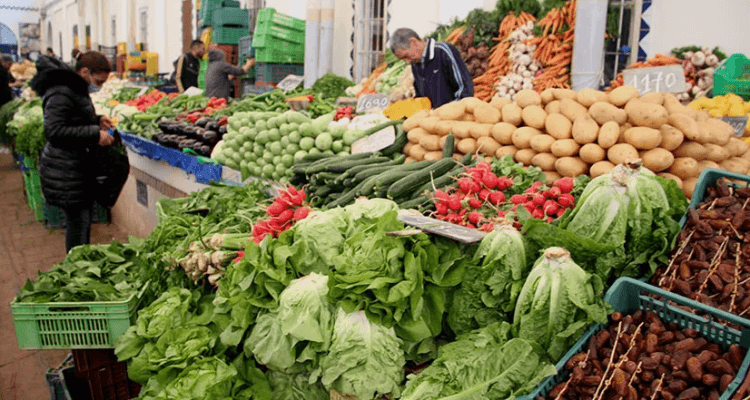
217 75
73 130
188 66
439 72
6 79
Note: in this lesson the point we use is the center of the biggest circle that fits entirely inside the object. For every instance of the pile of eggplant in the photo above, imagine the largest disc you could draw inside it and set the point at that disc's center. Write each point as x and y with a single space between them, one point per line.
201 137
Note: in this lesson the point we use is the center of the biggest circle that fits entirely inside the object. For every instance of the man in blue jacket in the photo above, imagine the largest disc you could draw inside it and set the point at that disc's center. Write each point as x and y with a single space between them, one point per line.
439 72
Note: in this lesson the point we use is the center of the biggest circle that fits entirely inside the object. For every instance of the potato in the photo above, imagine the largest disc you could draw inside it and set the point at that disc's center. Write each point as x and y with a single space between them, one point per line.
445 127
471 103
409 159
415 134
742 161
457 156
603 112
585 130
719 132
502 132
433 155
526 98
653 98
429 124
702 116
467 118
565 148
466 146
486 114
442 141
587 97
657 159
462 129
553 107
524 156
500 102
534 116
522 136
542 143
621 152
558 126
561 94
671 137
480 130
430 142
609 134
646 114
684 168
686 125
674 106
716 153
506 151
592 153
643 138
622 95
688 186
548 96
571 166
734 165
705 164
737 147
624 127
417 152
545 161
451 111
551 176
413 121
667 175
571 109
693 150
601 168
746 156
512 114
487 145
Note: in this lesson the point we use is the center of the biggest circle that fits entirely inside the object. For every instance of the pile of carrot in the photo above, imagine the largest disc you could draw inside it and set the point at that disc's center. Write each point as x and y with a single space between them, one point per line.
555 47
499 62
658 61
452 37
368 86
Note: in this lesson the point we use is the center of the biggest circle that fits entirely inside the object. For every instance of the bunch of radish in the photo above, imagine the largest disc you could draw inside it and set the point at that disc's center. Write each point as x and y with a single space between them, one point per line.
287 208
546 203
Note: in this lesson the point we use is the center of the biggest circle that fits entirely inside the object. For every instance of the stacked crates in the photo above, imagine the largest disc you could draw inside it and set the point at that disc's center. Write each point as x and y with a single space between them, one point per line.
279 39
229 21
733 76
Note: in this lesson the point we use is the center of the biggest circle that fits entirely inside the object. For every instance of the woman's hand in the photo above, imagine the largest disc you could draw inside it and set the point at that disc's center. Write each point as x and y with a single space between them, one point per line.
105 123
105 139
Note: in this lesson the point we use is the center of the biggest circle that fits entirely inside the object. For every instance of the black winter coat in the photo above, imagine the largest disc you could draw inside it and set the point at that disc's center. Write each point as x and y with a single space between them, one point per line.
71 127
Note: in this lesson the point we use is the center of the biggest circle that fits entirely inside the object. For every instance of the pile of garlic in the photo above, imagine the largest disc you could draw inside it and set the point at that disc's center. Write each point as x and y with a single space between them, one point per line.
700 67
524 67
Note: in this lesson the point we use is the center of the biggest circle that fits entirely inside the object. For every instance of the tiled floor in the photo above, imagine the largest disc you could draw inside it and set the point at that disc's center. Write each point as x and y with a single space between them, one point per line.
26 247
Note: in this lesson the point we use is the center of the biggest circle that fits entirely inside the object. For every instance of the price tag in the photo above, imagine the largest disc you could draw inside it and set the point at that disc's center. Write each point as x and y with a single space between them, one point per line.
738 123
142 92
372 102
441 228
668 79
377 141
290 82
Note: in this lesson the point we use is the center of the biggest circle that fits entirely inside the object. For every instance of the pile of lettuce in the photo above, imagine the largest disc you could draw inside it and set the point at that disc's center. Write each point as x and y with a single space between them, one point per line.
27 128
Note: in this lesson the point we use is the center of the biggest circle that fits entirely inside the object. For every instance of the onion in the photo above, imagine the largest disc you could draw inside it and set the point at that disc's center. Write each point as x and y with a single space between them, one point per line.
698 59
712 60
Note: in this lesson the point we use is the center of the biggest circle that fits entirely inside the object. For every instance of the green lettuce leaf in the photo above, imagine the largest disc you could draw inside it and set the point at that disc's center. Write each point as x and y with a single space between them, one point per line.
295 387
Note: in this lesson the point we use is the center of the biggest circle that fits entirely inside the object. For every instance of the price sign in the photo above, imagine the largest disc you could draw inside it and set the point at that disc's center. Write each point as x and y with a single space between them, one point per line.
738 123
372 102
668 79
441 228
290 82
142 92
377 141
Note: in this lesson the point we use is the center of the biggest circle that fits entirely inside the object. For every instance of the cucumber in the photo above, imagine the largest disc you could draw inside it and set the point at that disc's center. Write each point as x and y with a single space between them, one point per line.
398 144
385 181
323 191
419 178
449 146
354 170
379 127
349 196
415 203
368 185
439 181
415 166
321 165
314 157
345 165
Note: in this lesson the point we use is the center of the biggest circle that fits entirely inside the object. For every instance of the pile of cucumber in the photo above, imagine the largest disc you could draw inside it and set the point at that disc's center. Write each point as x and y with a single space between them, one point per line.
336 181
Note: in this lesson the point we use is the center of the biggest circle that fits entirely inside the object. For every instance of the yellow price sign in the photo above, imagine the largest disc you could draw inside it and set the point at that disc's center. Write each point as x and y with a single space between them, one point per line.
407 108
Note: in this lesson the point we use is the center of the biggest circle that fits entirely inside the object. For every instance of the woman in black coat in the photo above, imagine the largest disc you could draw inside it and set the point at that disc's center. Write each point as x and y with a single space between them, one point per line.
73 130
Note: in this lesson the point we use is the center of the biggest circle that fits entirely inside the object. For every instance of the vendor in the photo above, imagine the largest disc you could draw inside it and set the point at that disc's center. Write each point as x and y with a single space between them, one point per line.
6 79
439 72
187 67
218 81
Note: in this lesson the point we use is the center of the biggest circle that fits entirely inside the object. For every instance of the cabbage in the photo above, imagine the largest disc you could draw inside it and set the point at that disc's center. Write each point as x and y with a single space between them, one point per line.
557 303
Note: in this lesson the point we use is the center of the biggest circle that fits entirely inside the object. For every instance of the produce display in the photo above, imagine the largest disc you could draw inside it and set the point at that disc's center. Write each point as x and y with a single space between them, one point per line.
729 105
201 136
26 130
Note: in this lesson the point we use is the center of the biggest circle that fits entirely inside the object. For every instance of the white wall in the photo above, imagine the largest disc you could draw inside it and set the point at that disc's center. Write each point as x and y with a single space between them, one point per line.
12 18
677 23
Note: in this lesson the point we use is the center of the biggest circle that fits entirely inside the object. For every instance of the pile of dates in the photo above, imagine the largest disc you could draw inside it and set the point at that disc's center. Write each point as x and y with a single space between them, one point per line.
640 357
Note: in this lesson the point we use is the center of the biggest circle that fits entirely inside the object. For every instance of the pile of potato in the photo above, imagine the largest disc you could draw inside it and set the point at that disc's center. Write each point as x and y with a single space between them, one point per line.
568 133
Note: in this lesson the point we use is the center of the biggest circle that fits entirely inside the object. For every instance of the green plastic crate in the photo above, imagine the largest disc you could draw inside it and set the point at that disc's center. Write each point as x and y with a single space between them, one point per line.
229 34
273 55
74 325
209 7
270 15
726 77
265 33
274 73
34 197
628 295
245 47
202 74
231 17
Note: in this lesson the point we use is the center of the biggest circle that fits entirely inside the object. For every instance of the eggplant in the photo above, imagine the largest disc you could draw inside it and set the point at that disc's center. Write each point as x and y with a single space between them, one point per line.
222 131
165 125
202 122
197 147
191 131
212 126
205 151
210 137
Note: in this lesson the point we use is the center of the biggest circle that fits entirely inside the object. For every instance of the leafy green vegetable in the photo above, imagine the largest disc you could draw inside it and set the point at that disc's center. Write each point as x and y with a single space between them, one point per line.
365 359
6 115
331 86
559 300
27 127
523 177
295 387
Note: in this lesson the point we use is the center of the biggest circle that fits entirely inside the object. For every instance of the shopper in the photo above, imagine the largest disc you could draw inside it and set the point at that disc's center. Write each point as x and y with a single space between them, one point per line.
218 83
6 79
439 72
50 53
72 130
188 66
74 56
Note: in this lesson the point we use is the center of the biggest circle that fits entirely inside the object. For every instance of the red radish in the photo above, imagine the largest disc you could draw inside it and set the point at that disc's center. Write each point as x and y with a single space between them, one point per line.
537 184
539 200
292 190
538 214
549 220
565 184
504 183
454 203
475 217
530 207
488 227
441 208
515 207
475 202
462 212
489 180
453 218
484 194
485 166
502 214
554 192
518 199
476 186
441 196
286 217
566 200
560 212
550 207
275 209
497 197
465 184
275 224
531 190
301 213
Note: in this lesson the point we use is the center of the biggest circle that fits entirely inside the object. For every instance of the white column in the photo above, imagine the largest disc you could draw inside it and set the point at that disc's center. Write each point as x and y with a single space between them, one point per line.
325 52
312 41
588 49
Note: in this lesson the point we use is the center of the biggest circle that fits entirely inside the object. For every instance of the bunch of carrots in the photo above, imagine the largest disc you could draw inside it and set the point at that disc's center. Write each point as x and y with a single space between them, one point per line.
499 62
555 47
658 61
452 37
368 86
